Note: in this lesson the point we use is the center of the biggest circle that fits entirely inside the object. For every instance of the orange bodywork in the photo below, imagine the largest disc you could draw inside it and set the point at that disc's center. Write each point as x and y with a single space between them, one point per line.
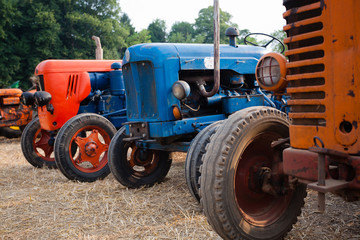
11 111
10 92
324 74
68 82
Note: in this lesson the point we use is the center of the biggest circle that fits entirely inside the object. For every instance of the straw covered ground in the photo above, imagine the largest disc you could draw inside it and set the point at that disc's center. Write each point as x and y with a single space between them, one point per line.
43 204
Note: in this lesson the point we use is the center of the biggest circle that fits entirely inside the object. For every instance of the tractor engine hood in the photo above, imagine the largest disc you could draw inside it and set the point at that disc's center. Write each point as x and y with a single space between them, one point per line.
242 59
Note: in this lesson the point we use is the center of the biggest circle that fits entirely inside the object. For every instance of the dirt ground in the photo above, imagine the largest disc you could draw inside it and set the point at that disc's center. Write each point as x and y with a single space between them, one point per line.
43 204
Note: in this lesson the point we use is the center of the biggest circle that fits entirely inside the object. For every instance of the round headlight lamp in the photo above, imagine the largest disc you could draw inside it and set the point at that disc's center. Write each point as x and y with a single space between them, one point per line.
127 55
181 89
271 72
42 98
27 98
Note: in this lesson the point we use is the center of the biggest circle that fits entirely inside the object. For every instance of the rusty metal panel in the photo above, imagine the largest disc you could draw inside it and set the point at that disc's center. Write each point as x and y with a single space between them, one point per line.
330 185
340 170
11 101
10 92
301 164
324 73
15 116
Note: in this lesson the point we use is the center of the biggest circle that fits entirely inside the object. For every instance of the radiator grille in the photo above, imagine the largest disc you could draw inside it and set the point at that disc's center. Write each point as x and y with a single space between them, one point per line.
306 62
141 91
72 85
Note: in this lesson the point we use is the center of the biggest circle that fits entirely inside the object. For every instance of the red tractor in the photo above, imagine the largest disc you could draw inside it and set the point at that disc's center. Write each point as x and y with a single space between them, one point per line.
80 103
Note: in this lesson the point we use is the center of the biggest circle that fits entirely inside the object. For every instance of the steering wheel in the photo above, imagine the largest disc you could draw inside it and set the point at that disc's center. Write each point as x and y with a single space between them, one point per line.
247 42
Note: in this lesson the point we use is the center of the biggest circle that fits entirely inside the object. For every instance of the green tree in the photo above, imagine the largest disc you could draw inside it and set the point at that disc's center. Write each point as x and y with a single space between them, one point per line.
9 62
83 19
157 30
281 35
242 34
181 32
270 43
37 37
126 23
138 37
204 24
133 37
180 38
35 30
141 37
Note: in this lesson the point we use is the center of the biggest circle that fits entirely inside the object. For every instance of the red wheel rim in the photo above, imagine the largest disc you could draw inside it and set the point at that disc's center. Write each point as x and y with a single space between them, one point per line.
258 208
41 141
88 149
141 166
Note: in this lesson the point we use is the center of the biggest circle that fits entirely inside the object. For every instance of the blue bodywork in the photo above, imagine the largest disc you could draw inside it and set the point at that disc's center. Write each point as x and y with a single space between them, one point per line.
107 97
150 70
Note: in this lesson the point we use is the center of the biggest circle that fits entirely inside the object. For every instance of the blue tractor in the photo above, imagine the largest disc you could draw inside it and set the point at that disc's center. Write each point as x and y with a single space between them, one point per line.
175 102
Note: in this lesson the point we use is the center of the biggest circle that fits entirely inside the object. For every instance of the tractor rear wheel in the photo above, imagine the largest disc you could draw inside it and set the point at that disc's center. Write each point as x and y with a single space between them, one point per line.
134 167
244 193
81 147
37 145
194 158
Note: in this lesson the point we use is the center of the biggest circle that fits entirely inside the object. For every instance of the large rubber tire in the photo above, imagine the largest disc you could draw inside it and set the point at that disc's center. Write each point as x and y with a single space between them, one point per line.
81 147
194 158
37 145
133 171
234 204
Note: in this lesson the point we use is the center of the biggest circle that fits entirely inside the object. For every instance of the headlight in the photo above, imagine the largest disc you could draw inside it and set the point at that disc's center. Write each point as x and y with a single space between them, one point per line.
127 55
27 98
181 89
271 72
42 98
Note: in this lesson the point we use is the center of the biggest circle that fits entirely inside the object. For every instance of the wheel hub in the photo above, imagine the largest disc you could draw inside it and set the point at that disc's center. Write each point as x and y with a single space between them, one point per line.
45 143
91 149
51 140
142 157
257 177
261 180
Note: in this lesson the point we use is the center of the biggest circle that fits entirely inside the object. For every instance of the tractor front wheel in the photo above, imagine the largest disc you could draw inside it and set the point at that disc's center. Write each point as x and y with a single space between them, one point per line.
243 190
194 158
81 147
37 145
135 167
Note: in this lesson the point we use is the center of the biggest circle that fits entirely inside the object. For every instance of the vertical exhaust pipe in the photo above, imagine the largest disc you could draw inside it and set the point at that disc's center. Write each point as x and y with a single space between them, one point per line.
216 54
99 50
217 44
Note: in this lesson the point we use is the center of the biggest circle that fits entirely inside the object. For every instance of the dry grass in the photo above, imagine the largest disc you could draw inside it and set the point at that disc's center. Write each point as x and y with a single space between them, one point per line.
43 204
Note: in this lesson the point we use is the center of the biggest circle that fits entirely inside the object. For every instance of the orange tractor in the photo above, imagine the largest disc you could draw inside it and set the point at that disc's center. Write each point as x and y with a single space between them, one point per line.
260 161
12 113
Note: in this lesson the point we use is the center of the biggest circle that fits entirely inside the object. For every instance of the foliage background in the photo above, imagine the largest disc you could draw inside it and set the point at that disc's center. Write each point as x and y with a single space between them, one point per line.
35 30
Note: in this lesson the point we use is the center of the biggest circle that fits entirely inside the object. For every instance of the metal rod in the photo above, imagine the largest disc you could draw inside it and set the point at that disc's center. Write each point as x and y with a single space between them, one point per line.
216 86
217 43
321 182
